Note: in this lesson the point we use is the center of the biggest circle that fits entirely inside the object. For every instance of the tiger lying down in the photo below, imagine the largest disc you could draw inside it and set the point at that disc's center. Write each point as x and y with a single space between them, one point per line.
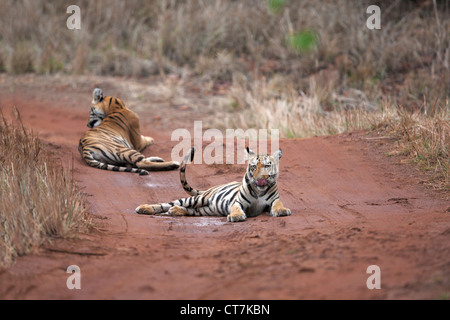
115 141
257 192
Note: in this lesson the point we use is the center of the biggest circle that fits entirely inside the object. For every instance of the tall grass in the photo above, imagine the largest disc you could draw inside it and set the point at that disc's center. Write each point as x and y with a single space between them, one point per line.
38 199
216 39
425 137
304 67
423 134
275 105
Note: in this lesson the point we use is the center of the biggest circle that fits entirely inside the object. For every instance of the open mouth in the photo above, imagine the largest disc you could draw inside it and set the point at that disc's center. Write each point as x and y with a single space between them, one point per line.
93 123
261 183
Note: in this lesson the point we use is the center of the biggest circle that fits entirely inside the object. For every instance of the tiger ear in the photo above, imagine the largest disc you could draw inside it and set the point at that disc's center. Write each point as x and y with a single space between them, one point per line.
97 95
249 154
277 155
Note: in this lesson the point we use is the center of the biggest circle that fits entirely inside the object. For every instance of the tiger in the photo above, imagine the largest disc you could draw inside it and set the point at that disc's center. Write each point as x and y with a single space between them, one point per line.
257 192
114 141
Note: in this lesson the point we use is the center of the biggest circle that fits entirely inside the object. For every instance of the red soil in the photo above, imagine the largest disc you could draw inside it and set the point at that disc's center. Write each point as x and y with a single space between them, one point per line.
351 205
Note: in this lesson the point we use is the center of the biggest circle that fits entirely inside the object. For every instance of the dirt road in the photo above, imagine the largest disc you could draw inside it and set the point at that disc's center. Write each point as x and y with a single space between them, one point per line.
352 207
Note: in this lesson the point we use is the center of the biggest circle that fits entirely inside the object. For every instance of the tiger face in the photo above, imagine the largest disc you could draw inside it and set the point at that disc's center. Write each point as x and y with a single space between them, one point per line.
262 170
101 108
96 116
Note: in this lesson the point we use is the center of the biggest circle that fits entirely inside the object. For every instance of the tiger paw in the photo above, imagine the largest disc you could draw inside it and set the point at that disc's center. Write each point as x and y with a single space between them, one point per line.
147 209
236 215
177 211
174 165
281 212
278 209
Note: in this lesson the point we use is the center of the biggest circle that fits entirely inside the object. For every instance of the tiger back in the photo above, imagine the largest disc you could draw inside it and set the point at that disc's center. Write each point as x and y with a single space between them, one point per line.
114 141
257 193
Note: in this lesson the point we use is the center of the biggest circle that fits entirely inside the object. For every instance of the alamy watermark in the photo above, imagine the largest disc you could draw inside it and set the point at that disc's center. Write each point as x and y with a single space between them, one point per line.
74 280
213 153
374 20
373 281
73 22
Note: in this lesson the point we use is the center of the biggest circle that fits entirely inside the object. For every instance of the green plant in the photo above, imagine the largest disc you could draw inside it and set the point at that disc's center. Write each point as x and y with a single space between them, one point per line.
303 41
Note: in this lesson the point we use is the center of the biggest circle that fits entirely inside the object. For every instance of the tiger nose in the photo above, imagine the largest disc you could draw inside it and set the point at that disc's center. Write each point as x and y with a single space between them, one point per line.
263 175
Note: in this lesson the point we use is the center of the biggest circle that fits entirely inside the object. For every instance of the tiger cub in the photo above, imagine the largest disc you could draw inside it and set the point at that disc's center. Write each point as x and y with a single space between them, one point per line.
115 141
257 192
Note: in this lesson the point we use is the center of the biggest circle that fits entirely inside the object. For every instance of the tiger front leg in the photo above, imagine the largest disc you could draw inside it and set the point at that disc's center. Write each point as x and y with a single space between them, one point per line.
152 209
178 211
155 159
155 164
236 214
278 209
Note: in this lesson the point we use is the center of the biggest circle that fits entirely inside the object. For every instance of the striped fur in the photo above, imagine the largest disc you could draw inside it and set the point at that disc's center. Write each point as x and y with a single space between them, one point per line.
256 193
115 141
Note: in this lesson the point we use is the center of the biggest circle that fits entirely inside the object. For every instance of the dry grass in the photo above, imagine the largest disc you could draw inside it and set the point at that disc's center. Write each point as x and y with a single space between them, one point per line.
214 40
303 67
425 138
273 105
38 199
423 134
